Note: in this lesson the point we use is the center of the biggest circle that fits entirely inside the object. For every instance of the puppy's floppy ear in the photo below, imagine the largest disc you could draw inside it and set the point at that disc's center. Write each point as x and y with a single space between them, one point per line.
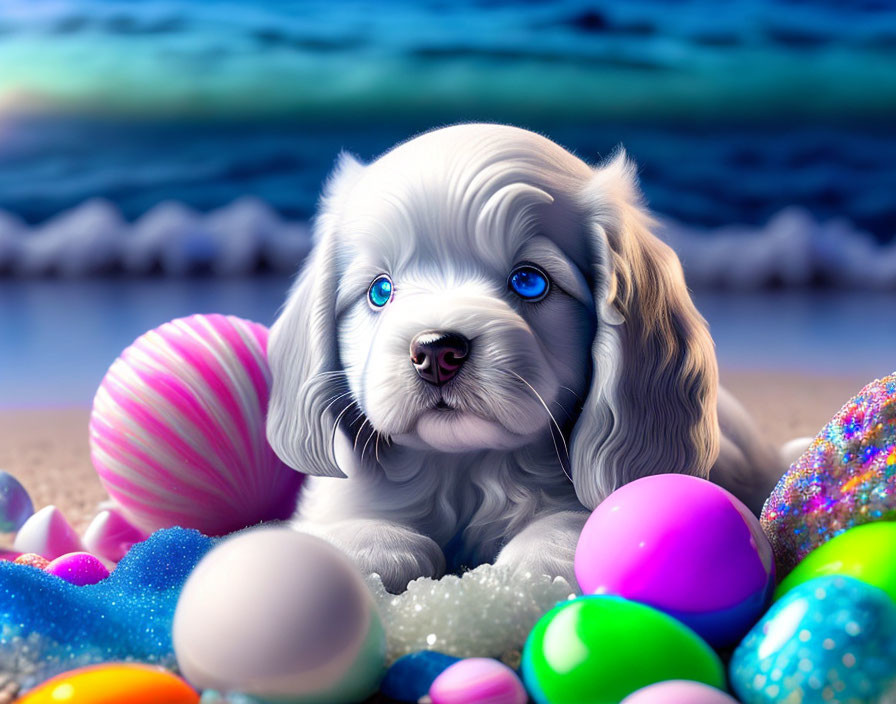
302 350
651 407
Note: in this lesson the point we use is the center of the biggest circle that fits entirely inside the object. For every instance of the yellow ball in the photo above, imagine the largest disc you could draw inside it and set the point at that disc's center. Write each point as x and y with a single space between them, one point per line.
113 683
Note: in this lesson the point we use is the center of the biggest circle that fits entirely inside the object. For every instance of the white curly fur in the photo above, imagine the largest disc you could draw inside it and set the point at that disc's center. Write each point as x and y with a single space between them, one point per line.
610 378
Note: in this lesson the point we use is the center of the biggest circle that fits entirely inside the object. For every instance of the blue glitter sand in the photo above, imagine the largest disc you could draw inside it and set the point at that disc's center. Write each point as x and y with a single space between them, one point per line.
48 626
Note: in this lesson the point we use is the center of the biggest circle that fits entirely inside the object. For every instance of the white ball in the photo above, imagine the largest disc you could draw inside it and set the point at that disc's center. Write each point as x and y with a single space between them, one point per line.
278 614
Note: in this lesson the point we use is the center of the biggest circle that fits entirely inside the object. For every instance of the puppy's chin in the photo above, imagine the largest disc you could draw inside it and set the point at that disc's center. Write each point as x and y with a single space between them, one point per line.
455 431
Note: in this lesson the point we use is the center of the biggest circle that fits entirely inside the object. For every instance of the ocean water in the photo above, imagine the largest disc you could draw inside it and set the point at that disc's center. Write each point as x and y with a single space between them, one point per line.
145 142
706 176
58 337
734 112
744 209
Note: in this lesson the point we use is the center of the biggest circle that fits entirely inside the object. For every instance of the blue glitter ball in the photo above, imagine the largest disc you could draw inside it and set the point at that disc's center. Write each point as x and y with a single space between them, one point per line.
831 640
48 626
411 676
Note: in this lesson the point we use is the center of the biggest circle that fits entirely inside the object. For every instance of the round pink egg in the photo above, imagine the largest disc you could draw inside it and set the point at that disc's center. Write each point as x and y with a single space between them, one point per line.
78 568
177 433
478 681
679 692
682 545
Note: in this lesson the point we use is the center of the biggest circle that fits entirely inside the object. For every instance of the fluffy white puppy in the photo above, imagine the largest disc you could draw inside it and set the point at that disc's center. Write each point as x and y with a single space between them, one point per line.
485 342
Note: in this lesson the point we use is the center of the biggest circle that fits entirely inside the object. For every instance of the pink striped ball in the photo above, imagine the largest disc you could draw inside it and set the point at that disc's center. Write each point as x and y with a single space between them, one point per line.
478 681
177 433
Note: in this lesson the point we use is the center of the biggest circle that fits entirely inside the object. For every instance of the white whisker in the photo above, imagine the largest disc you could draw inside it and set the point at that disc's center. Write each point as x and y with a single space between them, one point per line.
553 420
369 438
334 399
575 395
358 435
562 408
339 418
325 374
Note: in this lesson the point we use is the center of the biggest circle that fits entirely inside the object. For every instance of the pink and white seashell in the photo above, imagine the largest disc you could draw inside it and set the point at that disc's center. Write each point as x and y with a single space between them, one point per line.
177 432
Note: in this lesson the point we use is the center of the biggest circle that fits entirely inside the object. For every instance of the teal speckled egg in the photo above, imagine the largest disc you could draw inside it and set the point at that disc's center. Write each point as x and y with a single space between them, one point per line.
831 640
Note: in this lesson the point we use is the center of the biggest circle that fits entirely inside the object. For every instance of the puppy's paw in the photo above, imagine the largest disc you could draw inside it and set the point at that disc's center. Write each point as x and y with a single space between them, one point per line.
396 553
547 546
522 562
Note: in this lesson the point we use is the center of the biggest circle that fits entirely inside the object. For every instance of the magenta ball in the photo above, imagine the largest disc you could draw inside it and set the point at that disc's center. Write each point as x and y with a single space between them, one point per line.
478 681
679 692
78 568
177 433
682 545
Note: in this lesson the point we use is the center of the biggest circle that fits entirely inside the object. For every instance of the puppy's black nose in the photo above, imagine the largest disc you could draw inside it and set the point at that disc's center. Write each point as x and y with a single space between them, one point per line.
438 356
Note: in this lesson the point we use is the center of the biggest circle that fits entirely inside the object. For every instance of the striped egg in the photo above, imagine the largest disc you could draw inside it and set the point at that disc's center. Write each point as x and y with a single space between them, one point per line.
478 681
177 432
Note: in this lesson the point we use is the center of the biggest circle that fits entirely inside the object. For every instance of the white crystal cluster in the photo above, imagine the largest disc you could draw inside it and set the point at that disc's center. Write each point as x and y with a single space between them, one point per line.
487 612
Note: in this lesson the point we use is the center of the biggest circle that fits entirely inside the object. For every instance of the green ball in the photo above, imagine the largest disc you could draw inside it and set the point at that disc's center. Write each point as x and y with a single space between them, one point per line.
866 552
599 649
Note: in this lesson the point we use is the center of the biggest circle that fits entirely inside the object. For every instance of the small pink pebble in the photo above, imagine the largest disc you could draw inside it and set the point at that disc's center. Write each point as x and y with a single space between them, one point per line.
33 559
478 681
678 692
111 535
78 568
47 533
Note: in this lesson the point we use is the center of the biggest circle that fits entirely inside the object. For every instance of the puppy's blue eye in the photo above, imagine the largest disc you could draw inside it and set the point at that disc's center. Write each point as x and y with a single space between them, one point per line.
380 291
529 283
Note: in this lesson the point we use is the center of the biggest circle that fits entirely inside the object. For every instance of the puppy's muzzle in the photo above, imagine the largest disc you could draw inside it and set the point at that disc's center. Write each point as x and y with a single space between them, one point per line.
438 356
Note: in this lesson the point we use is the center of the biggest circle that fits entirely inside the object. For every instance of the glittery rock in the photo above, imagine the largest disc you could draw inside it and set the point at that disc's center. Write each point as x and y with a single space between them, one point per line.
845 478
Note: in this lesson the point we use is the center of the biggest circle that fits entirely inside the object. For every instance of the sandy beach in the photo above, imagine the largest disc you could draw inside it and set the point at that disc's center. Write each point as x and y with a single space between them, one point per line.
48 450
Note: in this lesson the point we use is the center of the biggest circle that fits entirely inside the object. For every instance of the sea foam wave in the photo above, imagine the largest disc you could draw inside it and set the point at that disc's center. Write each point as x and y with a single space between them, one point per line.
244 237
792 250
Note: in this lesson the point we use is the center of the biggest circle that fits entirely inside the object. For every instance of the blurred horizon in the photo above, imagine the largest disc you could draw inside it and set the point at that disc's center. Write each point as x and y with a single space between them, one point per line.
690 61
59 337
